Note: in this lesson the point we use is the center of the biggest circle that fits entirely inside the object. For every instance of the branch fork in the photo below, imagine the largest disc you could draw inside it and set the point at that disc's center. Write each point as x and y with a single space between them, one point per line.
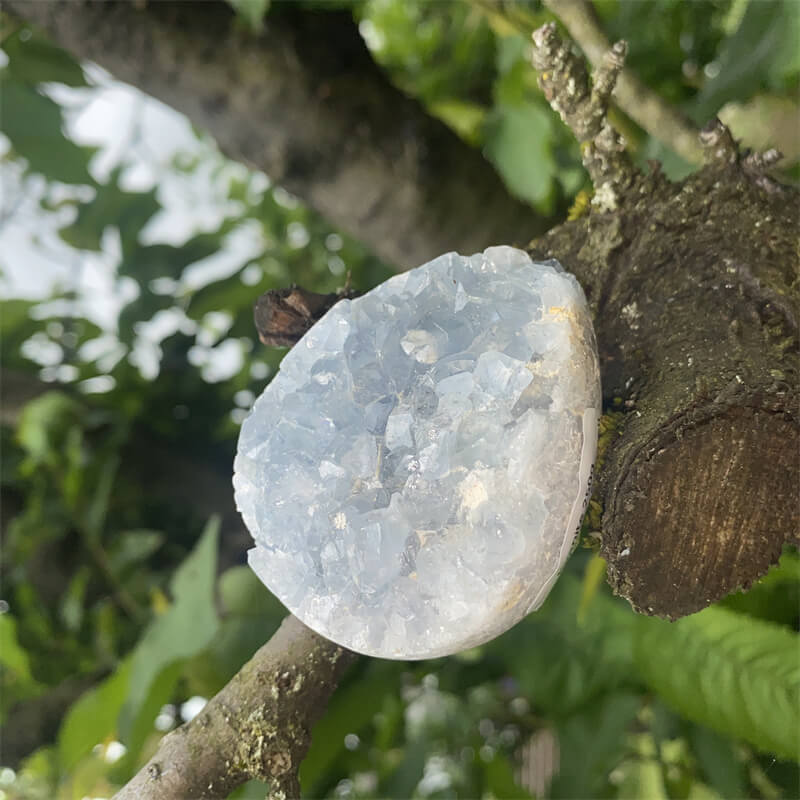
564 80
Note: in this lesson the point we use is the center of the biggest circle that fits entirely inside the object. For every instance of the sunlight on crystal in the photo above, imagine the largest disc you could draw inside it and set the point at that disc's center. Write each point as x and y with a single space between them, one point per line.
415 475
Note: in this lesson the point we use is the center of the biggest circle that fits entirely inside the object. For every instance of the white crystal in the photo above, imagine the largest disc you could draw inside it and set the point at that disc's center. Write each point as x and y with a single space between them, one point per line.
415 473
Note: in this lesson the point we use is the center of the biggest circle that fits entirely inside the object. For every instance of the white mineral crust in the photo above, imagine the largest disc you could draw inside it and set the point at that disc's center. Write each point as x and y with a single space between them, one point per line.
415 474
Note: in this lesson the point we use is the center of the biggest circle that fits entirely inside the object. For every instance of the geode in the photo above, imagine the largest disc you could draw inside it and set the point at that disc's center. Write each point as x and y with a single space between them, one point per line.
415 474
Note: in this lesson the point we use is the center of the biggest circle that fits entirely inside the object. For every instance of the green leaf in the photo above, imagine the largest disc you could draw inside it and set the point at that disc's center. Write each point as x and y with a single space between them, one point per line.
252 790
351 708
33 124
591 743
402 781
642 778
500 779
89 773
93 717
143 308
592 581
518 142
434 51
184 630
16 680
562 664
251 614
98 506
146 262
464 117
127 211
242 593
72 603
765 42
158 694
15 313
12 655
737 675
37 775
131 547
45 423
718 760
251 11
229 294
16 326
787 570
776 597
35 60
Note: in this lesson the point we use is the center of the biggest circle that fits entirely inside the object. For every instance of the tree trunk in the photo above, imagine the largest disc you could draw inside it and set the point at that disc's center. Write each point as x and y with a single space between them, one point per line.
304 102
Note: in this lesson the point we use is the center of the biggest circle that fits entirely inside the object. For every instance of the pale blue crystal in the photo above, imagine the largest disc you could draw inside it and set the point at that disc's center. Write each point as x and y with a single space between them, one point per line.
415 473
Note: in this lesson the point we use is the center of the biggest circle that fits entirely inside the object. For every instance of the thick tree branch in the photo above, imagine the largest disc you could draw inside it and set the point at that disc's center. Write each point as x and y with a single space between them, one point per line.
658 118
305 102
258 726
693 287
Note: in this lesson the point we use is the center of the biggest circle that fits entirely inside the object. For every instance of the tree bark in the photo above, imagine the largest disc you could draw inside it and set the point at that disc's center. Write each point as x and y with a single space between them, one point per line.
304 102
258 726
695 290
661 120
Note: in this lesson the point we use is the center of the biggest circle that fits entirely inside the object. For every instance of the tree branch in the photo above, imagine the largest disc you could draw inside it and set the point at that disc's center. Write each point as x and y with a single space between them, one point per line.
258 726
305 102
641 104
565 83
693 286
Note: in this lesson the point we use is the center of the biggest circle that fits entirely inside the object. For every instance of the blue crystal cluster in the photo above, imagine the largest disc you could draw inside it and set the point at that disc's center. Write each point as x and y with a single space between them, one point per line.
414 475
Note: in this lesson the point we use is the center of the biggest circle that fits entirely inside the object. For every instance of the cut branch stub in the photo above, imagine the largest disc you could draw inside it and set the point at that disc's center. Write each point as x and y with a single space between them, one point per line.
282 316
716 496
693 287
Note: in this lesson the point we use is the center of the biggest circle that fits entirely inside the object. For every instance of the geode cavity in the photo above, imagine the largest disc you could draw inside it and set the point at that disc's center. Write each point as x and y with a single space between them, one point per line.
415 474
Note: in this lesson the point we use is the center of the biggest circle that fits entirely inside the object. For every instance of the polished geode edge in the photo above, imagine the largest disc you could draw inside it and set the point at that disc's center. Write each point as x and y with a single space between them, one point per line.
590 420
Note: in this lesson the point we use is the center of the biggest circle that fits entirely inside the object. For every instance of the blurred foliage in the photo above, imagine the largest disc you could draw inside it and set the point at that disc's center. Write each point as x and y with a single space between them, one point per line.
103 581
699 57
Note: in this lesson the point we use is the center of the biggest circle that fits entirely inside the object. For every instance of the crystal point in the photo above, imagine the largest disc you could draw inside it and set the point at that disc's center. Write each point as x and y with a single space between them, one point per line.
415 474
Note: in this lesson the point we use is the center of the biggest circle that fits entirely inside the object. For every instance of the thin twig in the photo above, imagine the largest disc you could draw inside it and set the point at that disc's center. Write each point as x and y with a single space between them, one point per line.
124 599
641 104
565 83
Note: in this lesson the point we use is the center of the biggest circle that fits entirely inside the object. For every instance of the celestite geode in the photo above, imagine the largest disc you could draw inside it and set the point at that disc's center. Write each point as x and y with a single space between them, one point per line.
415 474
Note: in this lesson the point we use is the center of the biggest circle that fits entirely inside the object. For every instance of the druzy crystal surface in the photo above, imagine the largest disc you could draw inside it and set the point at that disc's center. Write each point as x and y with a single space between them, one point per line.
415 474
